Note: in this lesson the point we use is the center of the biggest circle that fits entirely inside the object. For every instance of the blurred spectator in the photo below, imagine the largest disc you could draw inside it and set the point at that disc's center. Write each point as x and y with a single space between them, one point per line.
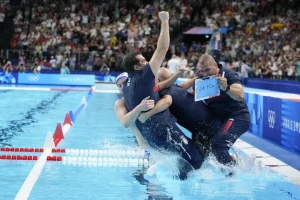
2 18
53 62
89 63
244 73
64 69
173 64
297 63
21 68
72 62
182 60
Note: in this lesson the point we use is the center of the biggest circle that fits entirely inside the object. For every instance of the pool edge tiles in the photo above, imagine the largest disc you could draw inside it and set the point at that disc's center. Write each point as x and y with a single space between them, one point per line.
278 166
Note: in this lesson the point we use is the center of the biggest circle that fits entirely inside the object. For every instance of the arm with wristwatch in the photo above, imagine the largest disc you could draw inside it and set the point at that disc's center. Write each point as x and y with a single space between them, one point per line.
235 91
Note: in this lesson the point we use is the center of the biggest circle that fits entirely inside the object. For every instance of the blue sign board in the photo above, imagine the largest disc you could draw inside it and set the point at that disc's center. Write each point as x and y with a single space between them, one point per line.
56 79
206 88
8 78
35 79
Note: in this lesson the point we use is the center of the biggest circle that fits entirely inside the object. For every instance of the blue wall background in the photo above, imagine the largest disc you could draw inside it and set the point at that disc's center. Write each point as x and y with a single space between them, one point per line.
275 119
288 86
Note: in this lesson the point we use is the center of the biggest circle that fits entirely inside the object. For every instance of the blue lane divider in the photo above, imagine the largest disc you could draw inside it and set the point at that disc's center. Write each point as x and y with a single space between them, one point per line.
73 116
89 96
78 110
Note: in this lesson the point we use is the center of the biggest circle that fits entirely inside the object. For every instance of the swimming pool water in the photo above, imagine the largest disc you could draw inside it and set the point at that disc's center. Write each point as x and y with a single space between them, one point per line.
29 115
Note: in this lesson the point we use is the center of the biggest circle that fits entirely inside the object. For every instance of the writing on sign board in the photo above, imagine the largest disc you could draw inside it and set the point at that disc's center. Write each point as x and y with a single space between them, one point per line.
206 88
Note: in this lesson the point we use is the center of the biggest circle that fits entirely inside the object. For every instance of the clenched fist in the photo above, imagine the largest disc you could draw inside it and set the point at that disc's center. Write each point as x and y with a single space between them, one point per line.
164 16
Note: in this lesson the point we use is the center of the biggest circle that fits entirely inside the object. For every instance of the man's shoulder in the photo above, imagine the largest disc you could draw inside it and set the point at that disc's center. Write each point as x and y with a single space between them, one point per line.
120 102
232 76
230 72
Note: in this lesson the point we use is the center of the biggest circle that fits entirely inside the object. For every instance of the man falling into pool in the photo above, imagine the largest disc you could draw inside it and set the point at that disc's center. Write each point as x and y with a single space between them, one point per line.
160 130
128 119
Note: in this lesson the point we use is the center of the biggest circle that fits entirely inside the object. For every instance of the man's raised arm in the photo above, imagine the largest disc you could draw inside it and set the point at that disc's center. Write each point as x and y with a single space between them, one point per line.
163 84
162 44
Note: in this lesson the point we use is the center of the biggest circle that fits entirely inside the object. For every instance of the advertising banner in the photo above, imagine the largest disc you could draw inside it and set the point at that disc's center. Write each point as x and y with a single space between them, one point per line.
8 78
275 119
255 105
272 119
56 79
61 79
33 79
290 124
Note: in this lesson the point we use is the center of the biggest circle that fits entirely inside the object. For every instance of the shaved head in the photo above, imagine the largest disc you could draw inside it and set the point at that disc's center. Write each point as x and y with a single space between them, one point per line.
163 74
207 65
206 59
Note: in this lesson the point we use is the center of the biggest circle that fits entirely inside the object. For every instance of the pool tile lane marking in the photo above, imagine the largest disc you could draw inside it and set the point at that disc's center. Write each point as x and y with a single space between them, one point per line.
28 184
276 165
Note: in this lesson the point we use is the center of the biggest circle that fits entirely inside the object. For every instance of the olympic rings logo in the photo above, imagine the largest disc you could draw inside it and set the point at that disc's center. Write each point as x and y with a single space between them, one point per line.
271 118
33 78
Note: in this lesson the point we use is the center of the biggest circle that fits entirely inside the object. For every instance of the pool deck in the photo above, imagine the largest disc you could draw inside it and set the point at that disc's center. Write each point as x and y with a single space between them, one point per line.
280 160
276 157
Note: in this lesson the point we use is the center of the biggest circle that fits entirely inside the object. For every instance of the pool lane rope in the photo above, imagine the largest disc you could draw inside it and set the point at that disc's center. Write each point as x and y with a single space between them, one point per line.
50 143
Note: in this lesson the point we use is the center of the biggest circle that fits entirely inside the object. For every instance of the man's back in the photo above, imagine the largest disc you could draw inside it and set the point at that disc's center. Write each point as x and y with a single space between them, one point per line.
189 114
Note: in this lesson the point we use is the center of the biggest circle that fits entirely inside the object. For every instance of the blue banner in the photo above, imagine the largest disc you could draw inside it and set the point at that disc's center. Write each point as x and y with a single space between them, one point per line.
255 105
8 78
272 118
275 119
288 86
61 79
56 79
290 124
35 79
